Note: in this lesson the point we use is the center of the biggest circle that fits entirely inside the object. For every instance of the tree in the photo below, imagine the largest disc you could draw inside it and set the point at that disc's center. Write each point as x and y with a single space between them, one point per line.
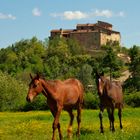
74 47
134 66
85 75
58 46
22 56
110 61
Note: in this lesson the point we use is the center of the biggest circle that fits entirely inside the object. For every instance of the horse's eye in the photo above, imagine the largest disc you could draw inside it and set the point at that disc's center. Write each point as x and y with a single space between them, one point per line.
34 85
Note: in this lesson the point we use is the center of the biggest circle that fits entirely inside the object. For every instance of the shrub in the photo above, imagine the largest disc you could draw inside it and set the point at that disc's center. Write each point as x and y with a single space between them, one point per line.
38 104
12 93
91 101
133 99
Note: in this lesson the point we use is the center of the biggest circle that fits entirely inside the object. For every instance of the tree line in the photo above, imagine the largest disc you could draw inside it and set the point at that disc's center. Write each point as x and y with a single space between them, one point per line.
61 58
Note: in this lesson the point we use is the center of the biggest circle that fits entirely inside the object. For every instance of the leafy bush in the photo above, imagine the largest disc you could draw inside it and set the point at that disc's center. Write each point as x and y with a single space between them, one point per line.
13 96
133 99
38 104
116 74
91 101
12 93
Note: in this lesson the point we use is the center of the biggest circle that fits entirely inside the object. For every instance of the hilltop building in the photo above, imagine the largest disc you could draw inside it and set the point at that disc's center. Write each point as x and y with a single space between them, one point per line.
91 36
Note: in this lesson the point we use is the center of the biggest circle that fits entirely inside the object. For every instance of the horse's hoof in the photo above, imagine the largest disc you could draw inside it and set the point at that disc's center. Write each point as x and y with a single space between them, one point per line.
61 137
78 134
102 131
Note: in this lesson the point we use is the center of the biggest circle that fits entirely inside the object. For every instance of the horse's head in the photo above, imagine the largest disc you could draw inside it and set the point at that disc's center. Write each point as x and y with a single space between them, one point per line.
100 82
35 87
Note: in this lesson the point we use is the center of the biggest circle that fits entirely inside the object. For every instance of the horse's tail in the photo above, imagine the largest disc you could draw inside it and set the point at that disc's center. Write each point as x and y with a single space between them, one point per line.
81 95
80 91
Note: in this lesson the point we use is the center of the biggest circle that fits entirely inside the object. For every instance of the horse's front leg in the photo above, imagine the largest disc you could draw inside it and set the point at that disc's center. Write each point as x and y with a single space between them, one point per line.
59 130
101 117
120 116
56 124
109 116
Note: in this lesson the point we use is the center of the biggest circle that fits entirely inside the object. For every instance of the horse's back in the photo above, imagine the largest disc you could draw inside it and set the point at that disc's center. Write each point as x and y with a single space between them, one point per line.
71 81
68 84
74 82
116 93
73 90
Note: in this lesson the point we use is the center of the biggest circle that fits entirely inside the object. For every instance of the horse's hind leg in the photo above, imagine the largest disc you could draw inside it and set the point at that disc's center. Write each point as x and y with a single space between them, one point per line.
120 116
69 131
79 119
112 119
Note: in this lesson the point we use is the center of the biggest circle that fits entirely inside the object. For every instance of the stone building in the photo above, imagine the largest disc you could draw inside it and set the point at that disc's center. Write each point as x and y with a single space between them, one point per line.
91 36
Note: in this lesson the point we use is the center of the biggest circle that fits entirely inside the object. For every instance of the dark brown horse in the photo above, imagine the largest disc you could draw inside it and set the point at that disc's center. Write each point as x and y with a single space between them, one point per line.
60 95
111 97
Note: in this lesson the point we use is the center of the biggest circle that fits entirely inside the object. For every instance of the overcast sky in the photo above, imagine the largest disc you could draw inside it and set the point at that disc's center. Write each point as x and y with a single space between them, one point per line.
27 18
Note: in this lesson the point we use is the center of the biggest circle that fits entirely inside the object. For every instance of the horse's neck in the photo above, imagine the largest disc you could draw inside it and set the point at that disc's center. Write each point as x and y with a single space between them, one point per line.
48 89
110 85
107 85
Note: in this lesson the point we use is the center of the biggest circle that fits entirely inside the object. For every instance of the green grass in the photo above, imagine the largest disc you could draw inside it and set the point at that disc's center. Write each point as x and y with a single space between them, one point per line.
37 125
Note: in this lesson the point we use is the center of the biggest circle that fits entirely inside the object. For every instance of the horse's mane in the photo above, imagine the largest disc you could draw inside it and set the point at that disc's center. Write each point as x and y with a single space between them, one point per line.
113 83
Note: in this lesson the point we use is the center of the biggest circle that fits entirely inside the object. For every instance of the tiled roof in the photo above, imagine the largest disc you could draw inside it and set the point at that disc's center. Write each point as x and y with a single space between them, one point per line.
105 23
87 24
65 30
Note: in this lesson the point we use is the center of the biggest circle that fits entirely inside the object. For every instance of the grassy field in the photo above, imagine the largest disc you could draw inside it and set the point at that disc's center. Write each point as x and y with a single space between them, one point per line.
37 125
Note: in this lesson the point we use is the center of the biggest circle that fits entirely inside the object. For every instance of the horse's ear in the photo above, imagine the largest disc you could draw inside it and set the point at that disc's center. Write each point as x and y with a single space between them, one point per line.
97 74
31 76
37 76
102 74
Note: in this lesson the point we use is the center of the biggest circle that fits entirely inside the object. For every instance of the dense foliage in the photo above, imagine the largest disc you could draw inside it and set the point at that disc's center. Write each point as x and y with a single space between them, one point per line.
59 58
12 93
133 83
134 68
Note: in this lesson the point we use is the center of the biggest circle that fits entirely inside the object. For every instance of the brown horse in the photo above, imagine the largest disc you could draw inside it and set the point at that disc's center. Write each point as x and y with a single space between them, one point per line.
111 97
60 95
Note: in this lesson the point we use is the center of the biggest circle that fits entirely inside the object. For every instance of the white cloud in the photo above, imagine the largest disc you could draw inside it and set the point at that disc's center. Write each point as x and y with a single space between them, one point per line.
7 16
103 13
71 15
36 12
